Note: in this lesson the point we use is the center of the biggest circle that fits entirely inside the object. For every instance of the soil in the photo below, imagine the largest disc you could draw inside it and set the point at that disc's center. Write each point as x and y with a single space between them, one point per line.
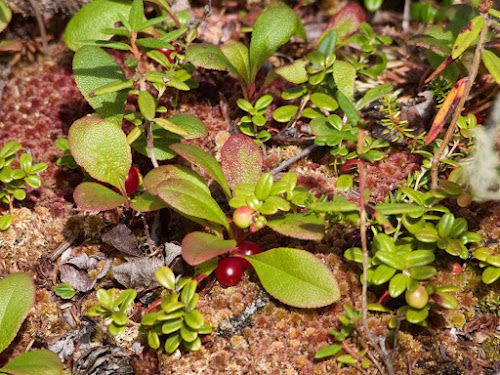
253 333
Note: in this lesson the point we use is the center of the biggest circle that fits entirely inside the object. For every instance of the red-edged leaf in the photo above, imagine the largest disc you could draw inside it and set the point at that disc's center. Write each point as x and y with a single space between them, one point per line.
90 196
164 172
446 109
241 160
197 247
467 36
346 21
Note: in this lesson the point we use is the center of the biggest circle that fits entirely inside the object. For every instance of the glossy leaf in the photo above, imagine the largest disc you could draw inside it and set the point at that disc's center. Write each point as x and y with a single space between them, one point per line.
101 148
337 204
147 105
5 15
295 277
198 247
467 36
328 351
422 272
17 294
164 172
208 56
397 285
91 19
241 160
300 225
165 277
146 202
374 94
490 274
419 258
189 199
390 259
285 113
37 362
417 316
274 27
91 196
346 21
412 210
382 274
324 101
199 157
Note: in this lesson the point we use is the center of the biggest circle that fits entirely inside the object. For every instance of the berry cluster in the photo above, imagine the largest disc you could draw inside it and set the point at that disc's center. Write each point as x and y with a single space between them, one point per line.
230 270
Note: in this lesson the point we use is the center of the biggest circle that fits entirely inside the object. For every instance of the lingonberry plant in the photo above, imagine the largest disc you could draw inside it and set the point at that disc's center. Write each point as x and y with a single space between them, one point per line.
16 180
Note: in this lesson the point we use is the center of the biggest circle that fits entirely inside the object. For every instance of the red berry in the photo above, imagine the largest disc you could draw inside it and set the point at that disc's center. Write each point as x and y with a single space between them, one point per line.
349 165
455 268
479 118
132 181
417 299
247 248
243 216
229 271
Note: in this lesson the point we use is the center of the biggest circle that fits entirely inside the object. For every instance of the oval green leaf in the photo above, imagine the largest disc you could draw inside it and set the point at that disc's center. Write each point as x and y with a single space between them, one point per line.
198 247
91 196
17 294
90 20
101 148
93 68
189 199
302 226
467 36
38 362
295 277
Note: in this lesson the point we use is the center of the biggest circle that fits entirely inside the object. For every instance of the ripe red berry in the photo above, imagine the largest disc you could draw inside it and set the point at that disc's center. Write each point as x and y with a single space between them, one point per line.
455 268
247 248
132 181
229 271
243 216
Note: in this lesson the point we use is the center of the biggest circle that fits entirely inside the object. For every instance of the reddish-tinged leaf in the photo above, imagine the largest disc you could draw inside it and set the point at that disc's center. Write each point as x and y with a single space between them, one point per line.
429 42
198 247
467 36
90 196
446 109
346 21
241 160
203 160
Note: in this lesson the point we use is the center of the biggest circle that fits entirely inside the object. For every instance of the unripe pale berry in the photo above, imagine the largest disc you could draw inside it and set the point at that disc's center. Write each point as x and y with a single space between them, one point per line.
243 216
417 299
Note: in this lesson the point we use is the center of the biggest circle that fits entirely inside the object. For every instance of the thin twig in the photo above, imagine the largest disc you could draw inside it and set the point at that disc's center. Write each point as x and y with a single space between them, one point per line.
151 149
292 160
41 25
468 85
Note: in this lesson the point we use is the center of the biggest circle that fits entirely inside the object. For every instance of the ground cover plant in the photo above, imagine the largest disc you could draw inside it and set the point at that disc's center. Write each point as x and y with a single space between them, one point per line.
280 197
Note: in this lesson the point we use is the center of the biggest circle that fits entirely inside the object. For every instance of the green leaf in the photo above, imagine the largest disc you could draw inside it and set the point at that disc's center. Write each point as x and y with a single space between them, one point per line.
165 277
285 113
327 42
38 362
198 247
490 274
323 101
191 125
417 258
170 126
90 196
101 148
94 68
412 210
427 235
382 274
147 105
136 14
328 351
10 148
65 291
208 56
492 63
344 75
374 94
204 160
467 36
417 316
295 277
113 87
274 27
337 204
189 199
295 72
348 108
5 15
430 42
105 44
17 294
237 54
397 285
382 242
88 23
162 173
5 221
422 272
241 160
391 259
301 225
162 140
